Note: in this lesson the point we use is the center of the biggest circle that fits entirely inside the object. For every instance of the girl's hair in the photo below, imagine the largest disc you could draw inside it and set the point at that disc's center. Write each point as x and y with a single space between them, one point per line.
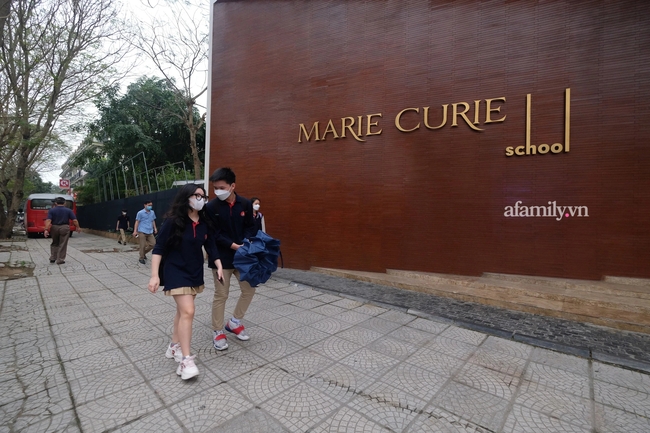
255 198
178 210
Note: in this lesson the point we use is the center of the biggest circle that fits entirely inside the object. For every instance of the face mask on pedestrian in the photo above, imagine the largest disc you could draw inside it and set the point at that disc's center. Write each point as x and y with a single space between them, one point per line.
196 204
256 207
149 207
222 194
123 213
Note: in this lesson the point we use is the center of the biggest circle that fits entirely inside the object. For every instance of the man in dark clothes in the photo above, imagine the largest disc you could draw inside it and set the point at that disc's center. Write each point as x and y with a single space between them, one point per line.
58 223
123 223
232 215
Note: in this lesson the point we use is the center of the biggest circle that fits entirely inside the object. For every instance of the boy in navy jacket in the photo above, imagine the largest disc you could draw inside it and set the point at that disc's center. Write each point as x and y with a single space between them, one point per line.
232 216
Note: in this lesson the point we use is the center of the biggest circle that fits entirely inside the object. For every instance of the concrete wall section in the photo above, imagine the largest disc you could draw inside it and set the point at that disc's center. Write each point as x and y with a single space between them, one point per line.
437 199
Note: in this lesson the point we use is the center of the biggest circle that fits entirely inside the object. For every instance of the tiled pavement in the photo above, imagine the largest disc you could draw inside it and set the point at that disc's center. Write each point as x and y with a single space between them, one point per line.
83 350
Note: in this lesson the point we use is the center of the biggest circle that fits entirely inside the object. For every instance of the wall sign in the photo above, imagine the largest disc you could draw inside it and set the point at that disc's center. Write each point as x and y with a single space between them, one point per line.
412 119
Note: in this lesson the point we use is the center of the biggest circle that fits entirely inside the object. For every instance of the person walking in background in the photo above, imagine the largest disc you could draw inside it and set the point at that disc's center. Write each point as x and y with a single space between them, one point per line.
145 230
123 223
260 224
232 216
183 235
57 223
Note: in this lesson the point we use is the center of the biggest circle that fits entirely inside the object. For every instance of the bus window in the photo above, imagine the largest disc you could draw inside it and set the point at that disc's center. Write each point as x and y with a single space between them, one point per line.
41 204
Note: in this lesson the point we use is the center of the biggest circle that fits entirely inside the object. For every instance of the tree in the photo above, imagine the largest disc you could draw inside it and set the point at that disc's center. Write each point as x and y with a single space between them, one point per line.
54 57
177 44
138 122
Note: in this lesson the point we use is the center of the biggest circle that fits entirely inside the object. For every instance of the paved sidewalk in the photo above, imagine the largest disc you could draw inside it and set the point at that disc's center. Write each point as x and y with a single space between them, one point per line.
84 352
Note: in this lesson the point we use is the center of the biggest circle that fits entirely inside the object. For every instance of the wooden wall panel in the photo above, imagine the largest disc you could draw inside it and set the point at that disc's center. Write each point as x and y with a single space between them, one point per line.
434 200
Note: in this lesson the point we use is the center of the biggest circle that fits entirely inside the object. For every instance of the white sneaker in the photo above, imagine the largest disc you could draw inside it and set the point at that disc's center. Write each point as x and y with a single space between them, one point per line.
219 341
174 352
187 369
238 330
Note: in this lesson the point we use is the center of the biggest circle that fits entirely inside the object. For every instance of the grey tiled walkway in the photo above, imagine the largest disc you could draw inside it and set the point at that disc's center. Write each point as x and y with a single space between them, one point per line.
83 350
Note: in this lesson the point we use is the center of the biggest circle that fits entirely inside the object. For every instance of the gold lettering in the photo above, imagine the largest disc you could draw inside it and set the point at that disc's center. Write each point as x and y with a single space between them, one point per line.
371 123
509 151
476 111
463 115
489 109
359 125
399 115
519 150
344 126
314 128
330 128
425 114
556 148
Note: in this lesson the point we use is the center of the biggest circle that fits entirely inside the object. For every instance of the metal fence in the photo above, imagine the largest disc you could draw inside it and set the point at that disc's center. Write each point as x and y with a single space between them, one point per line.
124 181
103 216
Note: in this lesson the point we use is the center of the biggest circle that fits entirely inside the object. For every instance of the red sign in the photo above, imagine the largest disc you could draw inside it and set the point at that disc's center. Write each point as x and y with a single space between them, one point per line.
64 183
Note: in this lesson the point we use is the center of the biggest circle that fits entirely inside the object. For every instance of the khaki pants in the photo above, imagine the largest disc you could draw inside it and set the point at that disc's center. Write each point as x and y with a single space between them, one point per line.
122 237
147 242
221 296
59 246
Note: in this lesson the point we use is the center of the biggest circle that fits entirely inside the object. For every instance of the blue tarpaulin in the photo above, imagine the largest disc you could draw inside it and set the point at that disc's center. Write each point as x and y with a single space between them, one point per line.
257 258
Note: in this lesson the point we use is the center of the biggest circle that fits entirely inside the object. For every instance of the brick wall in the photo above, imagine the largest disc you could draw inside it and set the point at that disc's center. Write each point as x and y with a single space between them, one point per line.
434 200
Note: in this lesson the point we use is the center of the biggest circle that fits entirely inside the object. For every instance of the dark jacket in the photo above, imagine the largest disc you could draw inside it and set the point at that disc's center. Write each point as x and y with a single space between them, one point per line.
232 224
183 265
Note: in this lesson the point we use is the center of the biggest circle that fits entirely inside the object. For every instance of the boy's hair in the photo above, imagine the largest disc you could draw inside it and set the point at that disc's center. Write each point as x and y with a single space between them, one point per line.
147 202
225 174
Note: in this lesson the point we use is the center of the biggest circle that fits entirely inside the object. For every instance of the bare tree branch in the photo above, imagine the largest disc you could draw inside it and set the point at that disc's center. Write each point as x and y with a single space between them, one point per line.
55 56
177 44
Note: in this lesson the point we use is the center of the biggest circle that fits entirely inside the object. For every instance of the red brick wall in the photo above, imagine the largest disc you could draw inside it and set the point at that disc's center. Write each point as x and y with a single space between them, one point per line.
434 200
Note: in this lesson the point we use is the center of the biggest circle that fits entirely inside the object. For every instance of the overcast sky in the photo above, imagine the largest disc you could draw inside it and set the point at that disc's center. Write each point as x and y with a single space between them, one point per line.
143 66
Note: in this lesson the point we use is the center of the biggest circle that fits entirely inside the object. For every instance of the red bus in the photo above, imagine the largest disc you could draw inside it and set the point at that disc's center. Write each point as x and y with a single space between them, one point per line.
36 209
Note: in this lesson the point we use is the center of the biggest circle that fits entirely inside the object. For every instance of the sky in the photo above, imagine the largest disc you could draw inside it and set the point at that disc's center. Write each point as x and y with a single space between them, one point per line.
138 65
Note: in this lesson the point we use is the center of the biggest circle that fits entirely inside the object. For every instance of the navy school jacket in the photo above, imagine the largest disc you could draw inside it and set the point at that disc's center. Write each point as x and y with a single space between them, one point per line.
232 224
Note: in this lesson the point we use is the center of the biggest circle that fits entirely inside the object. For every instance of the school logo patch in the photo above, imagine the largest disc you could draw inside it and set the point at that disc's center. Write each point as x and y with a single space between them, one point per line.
243 213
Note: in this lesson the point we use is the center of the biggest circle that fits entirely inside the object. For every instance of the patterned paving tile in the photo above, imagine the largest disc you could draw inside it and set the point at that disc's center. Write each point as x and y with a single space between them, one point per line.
618 376
116 409
436 420
551 377
630 400
498 361
394 348
524 420
335 348
331 325
479 407
348 420
104 383
561 361
361 336
157 422
369 360
439 363
490 381
411 335
300 407
172 389
612 420
273 348
391 411
557 405
207 410
264 383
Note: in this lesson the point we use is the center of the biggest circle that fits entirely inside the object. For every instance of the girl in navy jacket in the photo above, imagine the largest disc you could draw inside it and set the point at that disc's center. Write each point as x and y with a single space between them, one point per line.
184 233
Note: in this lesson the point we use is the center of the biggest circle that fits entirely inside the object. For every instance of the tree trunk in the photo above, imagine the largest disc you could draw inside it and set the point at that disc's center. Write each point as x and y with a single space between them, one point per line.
17 195
189 121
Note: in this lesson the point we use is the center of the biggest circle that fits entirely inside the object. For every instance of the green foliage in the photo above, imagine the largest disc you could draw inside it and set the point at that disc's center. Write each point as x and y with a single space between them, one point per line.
145 119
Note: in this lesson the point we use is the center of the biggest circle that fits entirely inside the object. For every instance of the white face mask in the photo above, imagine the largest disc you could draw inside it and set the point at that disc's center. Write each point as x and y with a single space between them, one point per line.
196 204
256 207
222 194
